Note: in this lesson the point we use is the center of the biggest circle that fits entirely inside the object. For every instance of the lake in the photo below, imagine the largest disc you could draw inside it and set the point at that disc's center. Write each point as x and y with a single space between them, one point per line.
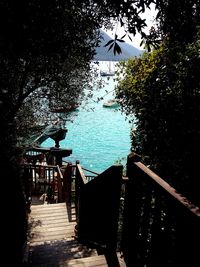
99 137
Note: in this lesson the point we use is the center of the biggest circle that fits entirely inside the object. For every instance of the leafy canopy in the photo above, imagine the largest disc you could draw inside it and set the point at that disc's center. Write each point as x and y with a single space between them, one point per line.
161 89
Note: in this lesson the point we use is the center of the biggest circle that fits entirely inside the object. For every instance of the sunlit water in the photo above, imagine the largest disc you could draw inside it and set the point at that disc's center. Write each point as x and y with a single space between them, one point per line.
100 137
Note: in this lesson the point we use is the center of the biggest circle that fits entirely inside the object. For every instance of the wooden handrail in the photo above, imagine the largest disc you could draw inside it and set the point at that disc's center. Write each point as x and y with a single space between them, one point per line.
162 224
183 200
90 171
82 175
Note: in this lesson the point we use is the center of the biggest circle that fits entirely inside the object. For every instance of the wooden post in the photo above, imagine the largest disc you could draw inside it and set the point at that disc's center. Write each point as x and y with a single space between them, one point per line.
59 160
77 190
111 258
130 214
60 186
98 212
67 183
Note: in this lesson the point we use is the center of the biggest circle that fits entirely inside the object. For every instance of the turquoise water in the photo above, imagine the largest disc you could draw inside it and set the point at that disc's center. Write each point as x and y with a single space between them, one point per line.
99 137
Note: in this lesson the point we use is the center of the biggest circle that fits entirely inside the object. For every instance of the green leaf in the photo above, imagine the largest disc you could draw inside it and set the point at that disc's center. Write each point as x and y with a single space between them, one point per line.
111 46
123 36
121 22
120 40
142 42
117 49
108 43
130 38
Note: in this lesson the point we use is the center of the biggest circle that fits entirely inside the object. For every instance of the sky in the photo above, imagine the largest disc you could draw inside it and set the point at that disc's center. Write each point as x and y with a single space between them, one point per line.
149 15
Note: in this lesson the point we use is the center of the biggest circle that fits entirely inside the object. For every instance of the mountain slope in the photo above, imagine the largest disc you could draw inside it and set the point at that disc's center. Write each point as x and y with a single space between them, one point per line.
102 53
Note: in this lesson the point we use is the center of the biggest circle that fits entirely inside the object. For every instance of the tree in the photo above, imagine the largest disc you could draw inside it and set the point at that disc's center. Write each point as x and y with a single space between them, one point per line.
161 89
44 60
45 48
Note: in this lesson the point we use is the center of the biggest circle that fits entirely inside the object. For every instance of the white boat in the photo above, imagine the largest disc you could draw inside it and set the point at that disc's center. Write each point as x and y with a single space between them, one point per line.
112 103
108 72
104 73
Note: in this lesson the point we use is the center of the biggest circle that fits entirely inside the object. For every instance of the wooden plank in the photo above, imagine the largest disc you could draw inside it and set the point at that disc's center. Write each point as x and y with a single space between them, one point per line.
57 228
56 211
48 206
41 236
60 221
59 256
41 244
44 223
52 217
54 224
51 241
48 230
65 264
63 247
49 215
88 261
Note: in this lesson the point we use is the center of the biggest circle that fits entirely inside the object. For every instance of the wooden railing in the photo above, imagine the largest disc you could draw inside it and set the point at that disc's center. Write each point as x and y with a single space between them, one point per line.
97 209
90 175
38 178
70 171
160 226
42 179
67 171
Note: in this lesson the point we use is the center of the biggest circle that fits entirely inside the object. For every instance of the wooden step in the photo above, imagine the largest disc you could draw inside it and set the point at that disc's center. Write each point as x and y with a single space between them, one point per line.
51 242
94 261
51 237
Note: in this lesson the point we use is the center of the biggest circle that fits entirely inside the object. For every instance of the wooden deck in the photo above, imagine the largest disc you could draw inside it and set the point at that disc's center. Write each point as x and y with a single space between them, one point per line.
51 240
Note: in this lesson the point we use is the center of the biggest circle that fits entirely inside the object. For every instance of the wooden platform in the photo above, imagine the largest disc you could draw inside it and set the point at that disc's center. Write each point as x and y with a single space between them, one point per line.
51 240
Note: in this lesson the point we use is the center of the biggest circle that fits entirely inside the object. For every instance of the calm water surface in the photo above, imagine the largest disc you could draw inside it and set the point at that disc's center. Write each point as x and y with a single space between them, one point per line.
98 136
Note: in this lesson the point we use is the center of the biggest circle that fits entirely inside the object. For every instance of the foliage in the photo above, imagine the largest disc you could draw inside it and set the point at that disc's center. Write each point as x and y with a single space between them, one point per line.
175 20
45 53
161 89
113 44
50 46
47 62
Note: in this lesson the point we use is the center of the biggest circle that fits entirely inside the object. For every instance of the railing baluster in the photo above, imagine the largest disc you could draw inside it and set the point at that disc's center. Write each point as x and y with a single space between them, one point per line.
161 227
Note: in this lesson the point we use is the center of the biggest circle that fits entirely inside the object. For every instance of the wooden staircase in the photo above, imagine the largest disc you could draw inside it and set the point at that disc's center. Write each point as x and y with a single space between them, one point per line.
51 241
